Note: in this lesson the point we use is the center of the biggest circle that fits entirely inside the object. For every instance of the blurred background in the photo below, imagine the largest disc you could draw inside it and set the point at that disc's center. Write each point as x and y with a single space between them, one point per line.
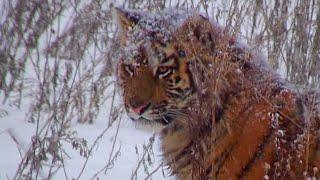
61 115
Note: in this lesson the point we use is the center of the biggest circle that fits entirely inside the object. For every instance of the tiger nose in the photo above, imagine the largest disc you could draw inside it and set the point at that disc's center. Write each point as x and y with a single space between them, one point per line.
140 109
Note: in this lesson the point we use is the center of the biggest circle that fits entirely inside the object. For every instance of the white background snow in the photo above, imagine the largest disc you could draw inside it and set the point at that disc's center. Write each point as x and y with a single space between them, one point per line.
13 125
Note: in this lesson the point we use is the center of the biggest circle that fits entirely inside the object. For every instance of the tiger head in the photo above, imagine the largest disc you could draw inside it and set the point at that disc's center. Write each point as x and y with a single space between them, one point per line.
153 69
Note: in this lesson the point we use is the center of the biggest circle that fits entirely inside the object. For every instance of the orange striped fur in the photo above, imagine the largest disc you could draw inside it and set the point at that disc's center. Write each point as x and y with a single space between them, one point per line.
239 120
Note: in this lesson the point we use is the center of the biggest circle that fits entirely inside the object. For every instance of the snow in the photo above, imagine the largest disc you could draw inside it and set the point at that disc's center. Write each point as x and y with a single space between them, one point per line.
16 133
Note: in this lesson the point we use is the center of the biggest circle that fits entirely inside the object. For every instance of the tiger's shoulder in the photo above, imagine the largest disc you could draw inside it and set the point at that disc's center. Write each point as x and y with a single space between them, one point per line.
248 122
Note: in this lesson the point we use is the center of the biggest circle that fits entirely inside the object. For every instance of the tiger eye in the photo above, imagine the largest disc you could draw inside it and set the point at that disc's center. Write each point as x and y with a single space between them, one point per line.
162 69
177 79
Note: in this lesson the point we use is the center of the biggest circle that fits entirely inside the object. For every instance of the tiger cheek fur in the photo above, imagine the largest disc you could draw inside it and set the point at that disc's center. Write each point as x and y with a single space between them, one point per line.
140 87
143 88
232 116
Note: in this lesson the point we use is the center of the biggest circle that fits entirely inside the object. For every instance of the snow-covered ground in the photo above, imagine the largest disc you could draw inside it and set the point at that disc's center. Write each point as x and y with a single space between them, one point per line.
16 133
130 139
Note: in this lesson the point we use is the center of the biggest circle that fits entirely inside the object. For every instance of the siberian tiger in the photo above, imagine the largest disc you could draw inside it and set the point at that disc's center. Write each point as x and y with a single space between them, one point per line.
226 115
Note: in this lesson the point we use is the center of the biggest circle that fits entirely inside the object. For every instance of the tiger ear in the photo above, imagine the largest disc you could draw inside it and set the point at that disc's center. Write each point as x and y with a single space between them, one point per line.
126 20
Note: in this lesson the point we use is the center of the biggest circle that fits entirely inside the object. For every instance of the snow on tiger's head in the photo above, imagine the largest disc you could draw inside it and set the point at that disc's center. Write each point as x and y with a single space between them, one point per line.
153 67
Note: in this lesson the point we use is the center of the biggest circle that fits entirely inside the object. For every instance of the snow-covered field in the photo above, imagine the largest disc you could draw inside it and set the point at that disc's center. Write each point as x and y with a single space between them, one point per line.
118 152
16 133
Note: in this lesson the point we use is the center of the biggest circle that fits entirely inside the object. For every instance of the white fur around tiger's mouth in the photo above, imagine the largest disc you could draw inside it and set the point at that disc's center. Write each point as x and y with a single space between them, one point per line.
149 115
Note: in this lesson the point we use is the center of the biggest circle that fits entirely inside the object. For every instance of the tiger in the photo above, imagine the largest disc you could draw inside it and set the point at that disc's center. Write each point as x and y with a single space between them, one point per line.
225 114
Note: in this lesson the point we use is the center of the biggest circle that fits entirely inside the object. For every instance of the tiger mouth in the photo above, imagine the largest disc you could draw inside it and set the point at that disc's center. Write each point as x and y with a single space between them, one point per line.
165 120
148 117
